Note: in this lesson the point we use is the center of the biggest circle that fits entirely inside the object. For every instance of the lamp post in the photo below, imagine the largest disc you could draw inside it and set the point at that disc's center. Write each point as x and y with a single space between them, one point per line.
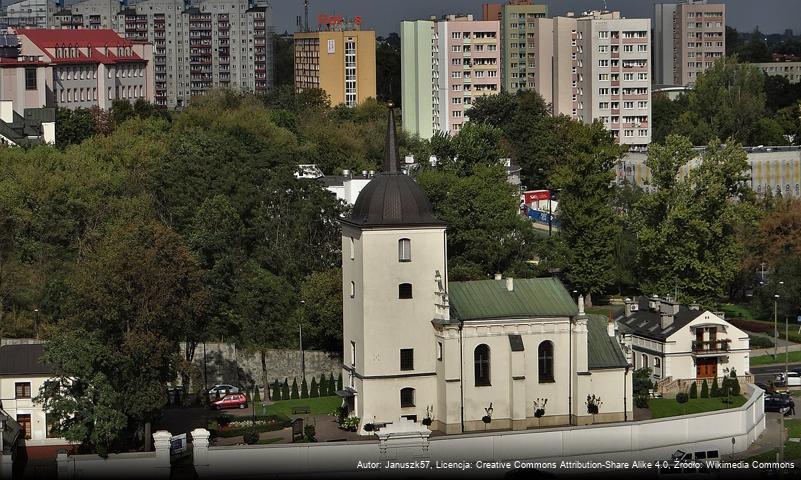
36 323
300 332
776 327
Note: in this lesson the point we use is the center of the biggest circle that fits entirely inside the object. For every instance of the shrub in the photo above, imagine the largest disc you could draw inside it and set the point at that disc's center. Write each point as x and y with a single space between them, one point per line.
704 389
309 433
276 391
304 389
314 391
734 383
682 397
715 390
339 384
323 386
251 437
295 395
694 390
285 390
759 341
641 401
642 381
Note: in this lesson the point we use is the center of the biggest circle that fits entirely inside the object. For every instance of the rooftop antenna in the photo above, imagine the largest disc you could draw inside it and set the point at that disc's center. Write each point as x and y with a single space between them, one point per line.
605 9
305 15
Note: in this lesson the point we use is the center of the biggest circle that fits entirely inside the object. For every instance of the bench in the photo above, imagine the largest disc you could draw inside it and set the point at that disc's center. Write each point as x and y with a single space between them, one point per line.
297 429
300 410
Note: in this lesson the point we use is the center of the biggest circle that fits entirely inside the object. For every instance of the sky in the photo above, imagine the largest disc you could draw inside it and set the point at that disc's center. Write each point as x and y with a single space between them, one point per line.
384 16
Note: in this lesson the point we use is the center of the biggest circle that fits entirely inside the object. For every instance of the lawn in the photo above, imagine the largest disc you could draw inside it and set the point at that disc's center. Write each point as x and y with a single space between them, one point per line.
736 311
317 406
794 357
792 450
669 407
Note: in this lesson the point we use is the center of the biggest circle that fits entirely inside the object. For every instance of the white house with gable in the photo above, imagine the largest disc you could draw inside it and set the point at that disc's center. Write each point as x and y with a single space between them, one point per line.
681 342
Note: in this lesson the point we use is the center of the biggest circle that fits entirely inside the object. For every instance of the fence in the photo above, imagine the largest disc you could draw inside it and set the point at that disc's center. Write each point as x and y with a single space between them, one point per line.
728 431
153 465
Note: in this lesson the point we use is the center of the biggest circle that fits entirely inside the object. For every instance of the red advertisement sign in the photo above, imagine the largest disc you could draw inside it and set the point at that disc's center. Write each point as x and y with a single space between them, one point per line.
532 196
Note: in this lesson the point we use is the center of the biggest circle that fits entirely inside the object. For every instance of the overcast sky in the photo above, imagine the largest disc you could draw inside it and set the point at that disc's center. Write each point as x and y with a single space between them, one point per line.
384 16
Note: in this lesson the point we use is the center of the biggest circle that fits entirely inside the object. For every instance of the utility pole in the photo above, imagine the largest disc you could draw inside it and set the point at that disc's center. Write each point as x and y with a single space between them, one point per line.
776 327
300 331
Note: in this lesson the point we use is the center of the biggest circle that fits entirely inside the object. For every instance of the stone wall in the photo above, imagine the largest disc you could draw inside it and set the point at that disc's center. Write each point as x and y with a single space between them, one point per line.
225 363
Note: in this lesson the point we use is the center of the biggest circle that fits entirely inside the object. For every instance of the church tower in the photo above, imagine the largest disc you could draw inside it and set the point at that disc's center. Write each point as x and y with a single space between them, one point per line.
394 278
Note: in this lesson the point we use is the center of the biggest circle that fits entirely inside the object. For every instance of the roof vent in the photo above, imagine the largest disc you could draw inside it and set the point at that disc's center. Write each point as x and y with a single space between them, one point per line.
510 284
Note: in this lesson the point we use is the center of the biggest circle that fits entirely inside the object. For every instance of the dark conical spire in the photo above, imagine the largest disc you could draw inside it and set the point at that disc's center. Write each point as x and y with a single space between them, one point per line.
391 152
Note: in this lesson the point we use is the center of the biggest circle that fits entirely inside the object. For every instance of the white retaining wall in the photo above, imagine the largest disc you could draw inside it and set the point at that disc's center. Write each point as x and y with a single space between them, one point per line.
646 440
5 466
151 465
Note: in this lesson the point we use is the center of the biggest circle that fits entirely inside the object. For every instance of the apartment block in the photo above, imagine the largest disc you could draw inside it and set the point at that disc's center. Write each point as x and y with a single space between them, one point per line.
30 13
211 43
420 77
688 38
340 61
613 75
464 57
527 39
789 70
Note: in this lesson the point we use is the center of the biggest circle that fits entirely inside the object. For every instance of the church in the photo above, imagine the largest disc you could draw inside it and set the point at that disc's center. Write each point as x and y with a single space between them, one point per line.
502 353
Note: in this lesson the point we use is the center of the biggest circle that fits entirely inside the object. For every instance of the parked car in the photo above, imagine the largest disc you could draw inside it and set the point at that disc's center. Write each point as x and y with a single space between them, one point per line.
232 400
793 379
779 403
222 389
766 387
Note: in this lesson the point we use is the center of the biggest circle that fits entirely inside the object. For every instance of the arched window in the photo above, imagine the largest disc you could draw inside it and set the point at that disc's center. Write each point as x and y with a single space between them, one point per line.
545 362
407 397
644 361
404 250
405 291
481 358
657 363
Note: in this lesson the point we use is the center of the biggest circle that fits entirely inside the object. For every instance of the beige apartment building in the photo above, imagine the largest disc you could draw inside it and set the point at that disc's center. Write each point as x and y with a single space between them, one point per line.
340 61
688 38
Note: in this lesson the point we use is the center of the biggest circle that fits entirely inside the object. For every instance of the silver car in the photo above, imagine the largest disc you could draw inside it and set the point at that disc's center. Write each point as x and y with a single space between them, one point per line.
220 390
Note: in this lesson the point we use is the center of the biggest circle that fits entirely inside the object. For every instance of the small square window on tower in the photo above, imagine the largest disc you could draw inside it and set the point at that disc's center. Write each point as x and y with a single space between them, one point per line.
407 359
405 291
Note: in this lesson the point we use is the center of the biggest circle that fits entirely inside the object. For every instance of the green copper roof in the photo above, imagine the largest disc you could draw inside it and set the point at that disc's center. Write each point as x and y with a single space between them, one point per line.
530 297
603 351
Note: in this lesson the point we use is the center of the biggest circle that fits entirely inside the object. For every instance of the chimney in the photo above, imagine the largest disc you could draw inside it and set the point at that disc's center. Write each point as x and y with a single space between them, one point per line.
510 284
346 173
610 326
364 173
498 276
667 312
654 303
665 320
631 306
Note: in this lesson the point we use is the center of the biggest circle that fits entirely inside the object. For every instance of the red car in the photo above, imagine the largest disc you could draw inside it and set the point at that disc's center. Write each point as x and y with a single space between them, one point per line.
232 400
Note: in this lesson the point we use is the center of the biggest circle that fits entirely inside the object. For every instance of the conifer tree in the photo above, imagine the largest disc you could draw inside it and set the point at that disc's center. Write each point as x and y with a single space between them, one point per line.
704 389
295 393
314 391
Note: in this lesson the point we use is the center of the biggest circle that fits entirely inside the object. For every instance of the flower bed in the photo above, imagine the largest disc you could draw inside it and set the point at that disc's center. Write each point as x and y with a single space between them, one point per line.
231 426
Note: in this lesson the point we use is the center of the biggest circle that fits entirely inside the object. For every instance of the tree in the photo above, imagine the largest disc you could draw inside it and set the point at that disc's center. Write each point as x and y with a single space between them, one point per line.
73 126
704 389
322 311
687 229
295 395
264 304
588 224
714 391
284 55
285 390
323 386
666 115
314 390
388 68
304 389
694 390
730 98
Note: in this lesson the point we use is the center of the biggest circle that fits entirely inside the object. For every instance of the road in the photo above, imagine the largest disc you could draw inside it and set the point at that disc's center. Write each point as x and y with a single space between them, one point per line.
769 372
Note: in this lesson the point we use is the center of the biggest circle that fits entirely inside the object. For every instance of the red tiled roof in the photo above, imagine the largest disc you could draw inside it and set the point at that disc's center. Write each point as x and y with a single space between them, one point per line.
48 39
13 62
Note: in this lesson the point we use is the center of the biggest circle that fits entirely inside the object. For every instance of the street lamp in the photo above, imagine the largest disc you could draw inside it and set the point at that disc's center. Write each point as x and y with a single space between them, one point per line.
36 323
776 327
300 332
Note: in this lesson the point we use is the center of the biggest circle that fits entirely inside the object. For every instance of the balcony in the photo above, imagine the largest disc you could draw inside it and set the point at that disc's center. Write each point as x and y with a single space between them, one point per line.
710 347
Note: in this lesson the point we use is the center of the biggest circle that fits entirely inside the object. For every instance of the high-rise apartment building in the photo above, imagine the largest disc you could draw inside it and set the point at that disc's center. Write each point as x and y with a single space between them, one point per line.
420 77
212 43
688 38
526 43
613 61
30 13
340 61
463 55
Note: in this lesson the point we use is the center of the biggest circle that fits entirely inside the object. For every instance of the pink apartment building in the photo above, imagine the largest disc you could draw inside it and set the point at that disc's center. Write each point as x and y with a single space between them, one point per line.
469 61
